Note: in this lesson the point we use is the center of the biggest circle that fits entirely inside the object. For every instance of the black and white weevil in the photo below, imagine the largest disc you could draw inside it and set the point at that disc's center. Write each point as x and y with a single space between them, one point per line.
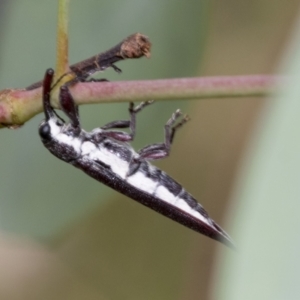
105 155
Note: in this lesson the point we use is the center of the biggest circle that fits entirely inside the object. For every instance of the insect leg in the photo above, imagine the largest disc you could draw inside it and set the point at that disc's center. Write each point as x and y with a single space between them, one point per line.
69 107
116 69
97 80
161 150
86 79
83 76
131 124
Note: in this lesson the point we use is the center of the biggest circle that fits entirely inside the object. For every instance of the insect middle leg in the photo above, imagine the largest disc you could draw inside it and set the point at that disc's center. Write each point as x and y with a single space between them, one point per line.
131 124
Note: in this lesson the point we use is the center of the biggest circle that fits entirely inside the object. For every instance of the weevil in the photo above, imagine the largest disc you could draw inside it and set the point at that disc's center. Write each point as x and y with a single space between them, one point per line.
106 155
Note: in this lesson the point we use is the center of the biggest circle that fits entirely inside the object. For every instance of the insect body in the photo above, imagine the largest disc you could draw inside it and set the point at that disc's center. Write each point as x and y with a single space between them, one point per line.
105 155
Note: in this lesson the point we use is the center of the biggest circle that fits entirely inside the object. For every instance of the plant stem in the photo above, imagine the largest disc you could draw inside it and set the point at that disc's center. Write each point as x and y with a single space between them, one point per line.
171 89
62 61
18 106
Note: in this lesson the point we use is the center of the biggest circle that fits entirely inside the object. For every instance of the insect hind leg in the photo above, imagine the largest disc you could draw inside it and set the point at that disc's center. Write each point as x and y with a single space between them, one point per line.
159 150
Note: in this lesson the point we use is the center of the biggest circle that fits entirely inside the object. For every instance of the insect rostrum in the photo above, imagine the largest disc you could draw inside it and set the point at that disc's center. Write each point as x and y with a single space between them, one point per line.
105 155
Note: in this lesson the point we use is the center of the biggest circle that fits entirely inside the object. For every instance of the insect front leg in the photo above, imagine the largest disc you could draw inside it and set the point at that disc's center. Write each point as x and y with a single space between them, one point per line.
69 107
160 150
131 124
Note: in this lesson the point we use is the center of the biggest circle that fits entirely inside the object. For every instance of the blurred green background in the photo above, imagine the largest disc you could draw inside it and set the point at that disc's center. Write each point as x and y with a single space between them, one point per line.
66 236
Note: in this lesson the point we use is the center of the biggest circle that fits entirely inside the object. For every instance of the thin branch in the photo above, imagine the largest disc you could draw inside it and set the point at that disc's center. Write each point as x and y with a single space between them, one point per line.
18 106
134 46
171 89
62 49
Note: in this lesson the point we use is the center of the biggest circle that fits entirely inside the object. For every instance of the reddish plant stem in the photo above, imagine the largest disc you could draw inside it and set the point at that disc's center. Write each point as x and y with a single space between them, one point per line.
18 106
170 89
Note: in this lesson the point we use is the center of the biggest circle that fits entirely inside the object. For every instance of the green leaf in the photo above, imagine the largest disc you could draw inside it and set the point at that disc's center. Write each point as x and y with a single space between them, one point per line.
266 221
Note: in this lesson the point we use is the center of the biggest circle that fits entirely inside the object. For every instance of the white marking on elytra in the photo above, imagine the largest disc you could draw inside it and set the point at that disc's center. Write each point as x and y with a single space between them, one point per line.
142 182
164 194
181 203
117 164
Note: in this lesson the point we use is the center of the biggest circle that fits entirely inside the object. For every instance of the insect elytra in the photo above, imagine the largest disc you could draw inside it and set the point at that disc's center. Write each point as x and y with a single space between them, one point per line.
105 155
